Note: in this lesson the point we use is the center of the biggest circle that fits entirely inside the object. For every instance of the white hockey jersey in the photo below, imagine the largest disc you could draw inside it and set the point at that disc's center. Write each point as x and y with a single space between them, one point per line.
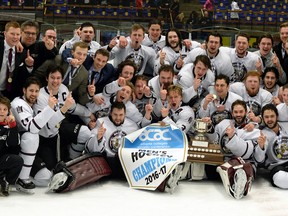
185 79
277 150
241 65
27 119
220 64
217 116
52 127
112 138
255 103
243 144
144 57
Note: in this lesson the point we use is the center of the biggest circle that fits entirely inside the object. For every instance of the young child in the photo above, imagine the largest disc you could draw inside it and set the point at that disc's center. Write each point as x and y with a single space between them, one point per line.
10 162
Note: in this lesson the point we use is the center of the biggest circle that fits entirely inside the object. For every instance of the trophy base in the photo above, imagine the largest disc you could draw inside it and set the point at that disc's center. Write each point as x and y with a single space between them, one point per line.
206 153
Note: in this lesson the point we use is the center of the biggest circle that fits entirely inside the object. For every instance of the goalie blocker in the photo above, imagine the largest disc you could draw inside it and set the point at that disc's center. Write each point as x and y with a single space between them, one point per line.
85 169
237 176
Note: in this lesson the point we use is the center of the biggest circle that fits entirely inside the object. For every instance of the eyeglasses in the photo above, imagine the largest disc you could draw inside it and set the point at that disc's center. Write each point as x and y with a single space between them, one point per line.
33 34
51 37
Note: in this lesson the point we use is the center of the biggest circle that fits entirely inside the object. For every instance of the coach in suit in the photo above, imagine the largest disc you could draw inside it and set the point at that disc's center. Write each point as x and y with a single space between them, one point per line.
279 49
75 74
15 66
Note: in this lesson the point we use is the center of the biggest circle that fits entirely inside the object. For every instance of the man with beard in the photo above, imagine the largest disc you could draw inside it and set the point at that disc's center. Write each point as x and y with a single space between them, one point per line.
277 155
174 52
235 140
142 56
254 96
242 60
124 95
86 35
270 78
269 59
218 106
29 124
107 136
197 80
220 61
160 83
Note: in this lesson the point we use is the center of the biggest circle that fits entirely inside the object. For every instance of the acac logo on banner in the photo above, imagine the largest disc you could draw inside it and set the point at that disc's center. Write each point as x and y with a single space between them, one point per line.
150 154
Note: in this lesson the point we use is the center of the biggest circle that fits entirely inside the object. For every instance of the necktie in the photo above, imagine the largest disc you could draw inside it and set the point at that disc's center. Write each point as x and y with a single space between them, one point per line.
68 78
264 61
9 71
94 76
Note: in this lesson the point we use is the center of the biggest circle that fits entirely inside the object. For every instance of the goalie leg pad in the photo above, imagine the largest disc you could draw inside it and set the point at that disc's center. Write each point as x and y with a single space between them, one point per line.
237 176
83 170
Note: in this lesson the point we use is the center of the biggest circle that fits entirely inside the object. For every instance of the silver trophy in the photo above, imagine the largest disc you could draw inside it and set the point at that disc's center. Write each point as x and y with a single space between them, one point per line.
200 138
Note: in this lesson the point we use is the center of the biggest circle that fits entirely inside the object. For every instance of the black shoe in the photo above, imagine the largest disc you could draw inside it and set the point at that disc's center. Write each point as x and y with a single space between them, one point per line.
4 187
25 185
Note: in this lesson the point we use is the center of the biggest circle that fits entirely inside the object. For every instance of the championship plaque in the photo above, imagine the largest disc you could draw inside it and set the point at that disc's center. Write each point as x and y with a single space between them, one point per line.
200 150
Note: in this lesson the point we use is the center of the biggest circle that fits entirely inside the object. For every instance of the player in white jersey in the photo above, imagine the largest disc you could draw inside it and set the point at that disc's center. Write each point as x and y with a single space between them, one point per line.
197 80
142 56
277 150
220 61
236 140
127 70
154 39
123 95
106 138
77 136
283 107
176 113
218 106
254 96
86 34
29 124
160 83
174 51
242 60
270 78
144 95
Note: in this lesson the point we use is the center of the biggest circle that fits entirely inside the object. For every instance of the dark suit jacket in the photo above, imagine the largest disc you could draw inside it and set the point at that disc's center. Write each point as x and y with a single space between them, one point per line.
79 81
20 73
107 74
283 61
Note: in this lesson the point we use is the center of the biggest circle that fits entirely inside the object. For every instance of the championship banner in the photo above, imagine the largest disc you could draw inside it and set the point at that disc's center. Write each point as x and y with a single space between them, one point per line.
150 154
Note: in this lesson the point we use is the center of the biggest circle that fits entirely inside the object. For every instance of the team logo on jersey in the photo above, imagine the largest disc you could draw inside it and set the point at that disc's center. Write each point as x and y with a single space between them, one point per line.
280 148
19 109
115 140
223 141
254 106
137 59
239 72
217 117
